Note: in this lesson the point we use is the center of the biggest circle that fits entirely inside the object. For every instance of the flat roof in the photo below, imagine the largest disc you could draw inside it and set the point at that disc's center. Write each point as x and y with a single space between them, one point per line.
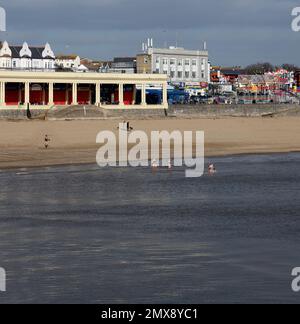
80 77
177 51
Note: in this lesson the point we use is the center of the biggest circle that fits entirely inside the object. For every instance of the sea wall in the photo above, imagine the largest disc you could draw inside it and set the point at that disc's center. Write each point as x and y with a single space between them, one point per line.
16 114
254 110
180 111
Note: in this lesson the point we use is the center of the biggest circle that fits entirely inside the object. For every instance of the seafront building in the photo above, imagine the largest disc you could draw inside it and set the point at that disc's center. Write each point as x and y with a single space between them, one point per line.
65 62
91 65
26 57
180 65
123 65
43 90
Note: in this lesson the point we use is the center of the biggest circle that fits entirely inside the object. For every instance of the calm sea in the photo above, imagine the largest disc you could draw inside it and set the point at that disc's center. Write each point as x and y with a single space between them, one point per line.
80 234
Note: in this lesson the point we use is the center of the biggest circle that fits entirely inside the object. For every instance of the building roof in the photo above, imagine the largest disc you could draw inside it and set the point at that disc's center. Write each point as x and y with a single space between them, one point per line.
36 51
66 57
124 59
177 51
92 65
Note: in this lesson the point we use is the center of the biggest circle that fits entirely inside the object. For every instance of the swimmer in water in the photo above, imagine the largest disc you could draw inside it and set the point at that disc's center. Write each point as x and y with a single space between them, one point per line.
212 169
154 164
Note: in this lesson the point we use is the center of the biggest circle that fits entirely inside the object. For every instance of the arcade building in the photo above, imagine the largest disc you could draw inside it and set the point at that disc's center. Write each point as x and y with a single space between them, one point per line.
43 90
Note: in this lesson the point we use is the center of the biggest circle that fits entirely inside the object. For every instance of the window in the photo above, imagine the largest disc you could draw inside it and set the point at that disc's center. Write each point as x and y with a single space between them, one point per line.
194 75
187 62
187 74
172 62
179 75
194 62
202 75
179 62
165 61
172 74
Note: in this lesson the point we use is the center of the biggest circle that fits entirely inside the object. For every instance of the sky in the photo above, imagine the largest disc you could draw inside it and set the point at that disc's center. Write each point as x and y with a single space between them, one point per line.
237 32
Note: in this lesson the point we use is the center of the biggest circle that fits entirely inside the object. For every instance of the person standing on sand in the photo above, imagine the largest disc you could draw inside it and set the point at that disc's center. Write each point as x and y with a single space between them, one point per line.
47 141
129 128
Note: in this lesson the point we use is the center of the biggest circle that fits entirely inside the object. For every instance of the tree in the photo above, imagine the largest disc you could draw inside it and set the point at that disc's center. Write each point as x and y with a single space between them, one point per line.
259 68
290 67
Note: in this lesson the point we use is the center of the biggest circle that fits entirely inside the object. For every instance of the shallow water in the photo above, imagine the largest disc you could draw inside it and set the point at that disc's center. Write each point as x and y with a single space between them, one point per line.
125 235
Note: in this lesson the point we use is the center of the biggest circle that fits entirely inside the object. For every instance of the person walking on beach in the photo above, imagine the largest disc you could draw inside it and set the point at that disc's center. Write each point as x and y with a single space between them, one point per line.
129 128
125 126
47 141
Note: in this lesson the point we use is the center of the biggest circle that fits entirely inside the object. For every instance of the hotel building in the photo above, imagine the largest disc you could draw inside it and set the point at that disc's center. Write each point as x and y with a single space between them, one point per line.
179 64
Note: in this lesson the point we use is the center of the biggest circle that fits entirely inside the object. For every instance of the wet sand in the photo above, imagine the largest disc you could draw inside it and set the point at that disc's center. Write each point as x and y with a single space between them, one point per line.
74 142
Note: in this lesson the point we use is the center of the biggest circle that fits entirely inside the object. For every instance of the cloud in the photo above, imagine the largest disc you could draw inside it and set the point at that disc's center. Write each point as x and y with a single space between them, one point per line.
237 31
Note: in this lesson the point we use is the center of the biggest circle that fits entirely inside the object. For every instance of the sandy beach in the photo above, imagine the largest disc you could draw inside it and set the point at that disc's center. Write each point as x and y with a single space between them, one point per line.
74 142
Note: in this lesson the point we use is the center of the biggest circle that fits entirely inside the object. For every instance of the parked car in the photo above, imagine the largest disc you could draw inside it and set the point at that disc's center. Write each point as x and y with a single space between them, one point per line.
245 102
194 100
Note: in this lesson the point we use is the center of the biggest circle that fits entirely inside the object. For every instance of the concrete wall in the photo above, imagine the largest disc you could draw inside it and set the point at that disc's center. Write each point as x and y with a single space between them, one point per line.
15 114
232 110
194 111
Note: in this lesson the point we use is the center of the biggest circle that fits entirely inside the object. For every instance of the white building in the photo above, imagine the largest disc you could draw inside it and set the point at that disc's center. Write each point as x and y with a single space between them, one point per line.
181 65
26 57
123 65
71 62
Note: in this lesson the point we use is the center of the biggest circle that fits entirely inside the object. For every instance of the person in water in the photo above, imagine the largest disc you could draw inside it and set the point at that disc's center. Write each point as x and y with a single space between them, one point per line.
154 164
212 169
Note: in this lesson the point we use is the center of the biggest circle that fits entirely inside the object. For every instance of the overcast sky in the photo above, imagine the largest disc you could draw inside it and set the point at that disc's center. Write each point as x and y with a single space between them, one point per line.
238 32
